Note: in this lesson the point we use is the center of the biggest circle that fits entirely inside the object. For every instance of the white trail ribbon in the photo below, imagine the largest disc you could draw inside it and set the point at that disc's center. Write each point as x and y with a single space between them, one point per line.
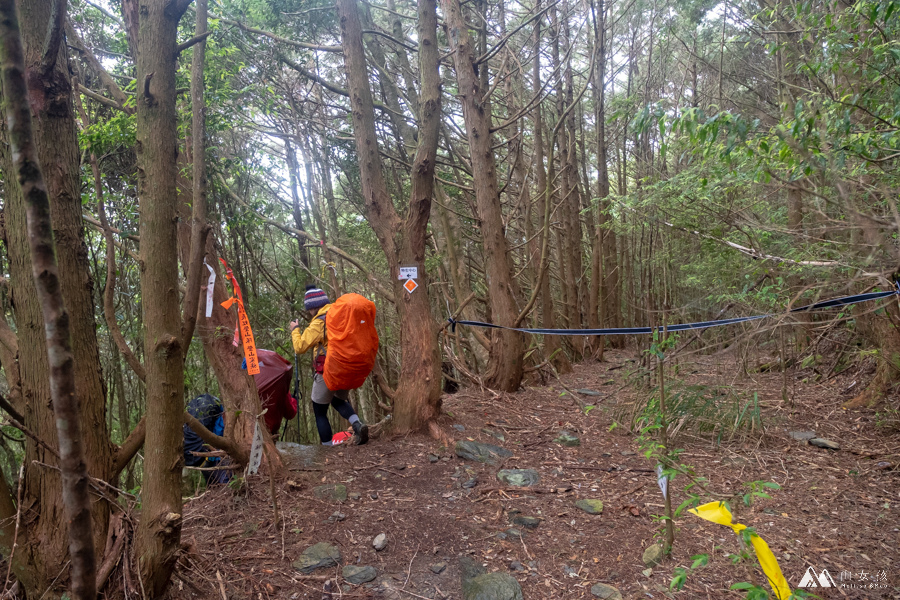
662 480
210 286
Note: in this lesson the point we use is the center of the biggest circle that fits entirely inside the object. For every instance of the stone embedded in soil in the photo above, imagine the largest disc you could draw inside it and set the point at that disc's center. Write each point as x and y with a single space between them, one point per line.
300 455
354 495
628 453
567 439
493 586
590 506
823 443
337 516
494 433
380 541
336 492
514 533
433 458
652 555
587 392
459 427
483 453
802 436
470 483
318 556
357 575
606 592
519 477
516 566
438 567
516 518
478 585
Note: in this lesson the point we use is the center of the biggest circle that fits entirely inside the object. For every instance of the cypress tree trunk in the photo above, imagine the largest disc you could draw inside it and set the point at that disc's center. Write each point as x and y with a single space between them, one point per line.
159 532
402 239
42 544
45 271
504 371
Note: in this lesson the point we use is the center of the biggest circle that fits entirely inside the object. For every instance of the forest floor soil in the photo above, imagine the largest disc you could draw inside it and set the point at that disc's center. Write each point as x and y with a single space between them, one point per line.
836 510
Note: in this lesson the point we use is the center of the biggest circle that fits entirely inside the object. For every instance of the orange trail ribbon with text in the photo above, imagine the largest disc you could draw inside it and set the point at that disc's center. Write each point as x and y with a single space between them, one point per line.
243 326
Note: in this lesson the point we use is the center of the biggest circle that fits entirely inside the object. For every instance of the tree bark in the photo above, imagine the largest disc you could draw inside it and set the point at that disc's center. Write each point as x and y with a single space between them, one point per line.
42 543
159 531
199 226
45 270
417 399
552 347
504 370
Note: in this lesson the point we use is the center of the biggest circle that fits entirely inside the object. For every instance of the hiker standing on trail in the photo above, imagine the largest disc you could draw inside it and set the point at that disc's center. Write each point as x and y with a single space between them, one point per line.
314 337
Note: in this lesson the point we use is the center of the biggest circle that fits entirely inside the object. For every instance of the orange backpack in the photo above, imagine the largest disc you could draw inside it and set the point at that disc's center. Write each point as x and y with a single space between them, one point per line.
352 342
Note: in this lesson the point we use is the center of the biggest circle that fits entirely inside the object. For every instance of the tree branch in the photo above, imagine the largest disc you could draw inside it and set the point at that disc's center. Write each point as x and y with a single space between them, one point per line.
235 451
194 40
406 45
277 38
379 287
109 290
502 42
10 409
102 99
129 447
94 65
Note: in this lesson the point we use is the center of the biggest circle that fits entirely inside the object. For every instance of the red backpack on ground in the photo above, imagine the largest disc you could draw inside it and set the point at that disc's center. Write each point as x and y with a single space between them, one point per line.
352 342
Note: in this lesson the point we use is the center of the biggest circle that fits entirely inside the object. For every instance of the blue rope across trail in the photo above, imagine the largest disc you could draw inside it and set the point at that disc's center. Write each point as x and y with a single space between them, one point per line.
843 301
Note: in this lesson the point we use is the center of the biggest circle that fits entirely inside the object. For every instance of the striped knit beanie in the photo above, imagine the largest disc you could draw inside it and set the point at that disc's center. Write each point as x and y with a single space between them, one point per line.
314 298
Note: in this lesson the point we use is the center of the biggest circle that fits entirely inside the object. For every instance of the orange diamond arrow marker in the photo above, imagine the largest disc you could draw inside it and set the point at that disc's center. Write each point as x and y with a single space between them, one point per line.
410 285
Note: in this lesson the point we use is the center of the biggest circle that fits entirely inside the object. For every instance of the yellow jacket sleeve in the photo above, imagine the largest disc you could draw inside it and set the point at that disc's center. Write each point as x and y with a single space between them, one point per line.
313 335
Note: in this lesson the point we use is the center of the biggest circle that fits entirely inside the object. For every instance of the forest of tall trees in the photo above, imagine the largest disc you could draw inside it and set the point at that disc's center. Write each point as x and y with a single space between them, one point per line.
545 163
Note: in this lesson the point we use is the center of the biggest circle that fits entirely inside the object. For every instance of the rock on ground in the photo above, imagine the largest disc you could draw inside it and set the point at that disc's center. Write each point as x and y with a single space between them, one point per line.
652 555
337 492
519 477
483 453
590 506
606 592
380 541
823 443
317 556
478 585
357 575
567 439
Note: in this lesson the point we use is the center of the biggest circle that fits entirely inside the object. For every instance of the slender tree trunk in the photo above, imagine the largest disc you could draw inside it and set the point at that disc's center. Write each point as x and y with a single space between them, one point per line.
291 155
552 347
42 541
504 370
45 270
199 226
159 532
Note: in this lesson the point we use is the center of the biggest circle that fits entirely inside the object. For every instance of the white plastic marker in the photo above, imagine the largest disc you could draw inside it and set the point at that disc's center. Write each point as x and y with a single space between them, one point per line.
662 480
255 451
210 286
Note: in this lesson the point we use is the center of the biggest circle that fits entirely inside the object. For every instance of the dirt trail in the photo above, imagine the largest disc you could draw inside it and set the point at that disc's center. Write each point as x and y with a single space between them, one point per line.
837 510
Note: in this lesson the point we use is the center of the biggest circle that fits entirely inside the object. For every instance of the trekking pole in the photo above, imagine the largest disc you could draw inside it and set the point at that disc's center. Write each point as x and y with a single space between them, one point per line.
298 392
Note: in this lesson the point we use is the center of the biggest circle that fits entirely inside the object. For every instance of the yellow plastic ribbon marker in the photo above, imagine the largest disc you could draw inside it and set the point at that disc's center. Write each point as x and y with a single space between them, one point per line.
717 512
